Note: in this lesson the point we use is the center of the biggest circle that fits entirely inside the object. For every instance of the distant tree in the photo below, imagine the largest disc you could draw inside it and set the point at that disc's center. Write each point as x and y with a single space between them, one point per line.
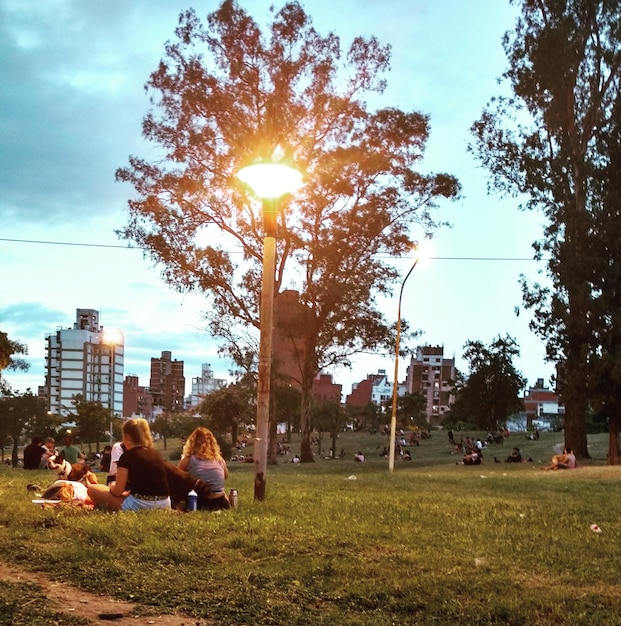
544 142
164 425
225 409
369 416
225 94
92 420
17 413
490 392
8 359
411 410
287 400
329 417
45 424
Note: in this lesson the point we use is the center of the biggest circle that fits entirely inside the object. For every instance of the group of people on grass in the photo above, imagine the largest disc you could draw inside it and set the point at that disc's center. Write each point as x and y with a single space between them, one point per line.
137 475
38 453
473 455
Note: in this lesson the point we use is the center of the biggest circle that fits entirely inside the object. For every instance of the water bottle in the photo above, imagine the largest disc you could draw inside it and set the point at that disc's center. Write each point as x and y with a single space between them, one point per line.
192 501
233 498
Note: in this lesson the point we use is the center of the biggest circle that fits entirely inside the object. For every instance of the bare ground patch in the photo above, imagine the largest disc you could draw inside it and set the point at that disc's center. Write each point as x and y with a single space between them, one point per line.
66 598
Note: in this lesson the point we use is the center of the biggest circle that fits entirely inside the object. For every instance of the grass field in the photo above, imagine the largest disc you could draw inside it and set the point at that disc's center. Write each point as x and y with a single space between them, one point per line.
343 542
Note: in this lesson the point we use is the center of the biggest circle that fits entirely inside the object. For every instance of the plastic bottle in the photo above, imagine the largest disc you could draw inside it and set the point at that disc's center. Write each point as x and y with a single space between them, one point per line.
233 498
192 501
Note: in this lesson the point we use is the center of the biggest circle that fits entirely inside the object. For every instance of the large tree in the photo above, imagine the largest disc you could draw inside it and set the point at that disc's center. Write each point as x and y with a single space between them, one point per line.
490 391
227 93
605 244
542 141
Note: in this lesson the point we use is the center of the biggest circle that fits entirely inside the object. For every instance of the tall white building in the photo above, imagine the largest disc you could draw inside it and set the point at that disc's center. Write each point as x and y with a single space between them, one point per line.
86 360
204 384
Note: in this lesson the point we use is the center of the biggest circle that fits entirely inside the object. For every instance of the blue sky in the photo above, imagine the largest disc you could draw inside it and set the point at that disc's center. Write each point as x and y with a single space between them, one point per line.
71 106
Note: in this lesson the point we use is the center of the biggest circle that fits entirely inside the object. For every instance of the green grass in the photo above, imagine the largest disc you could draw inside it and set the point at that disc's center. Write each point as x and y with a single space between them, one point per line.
341 542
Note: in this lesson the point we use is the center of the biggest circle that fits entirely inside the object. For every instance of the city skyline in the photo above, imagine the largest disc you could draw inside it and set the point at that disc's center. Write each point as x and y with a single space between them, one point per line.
72 115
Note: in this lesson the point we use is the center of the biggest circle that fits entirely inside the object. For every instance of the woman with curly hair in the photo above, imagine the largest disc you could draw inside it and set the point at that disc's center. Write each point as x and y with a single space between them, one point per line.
202 459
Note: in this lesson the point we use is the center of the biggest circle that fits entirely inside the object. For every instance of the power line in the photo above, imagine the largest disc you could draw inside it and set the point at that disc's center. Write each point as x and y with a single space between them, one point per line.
130 247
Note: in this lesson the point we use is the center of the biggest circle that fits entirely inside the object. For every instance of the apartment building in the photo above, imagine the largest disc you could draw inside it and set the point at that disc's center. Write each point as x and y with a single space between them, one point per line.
432 375
167 383
137 399
87 360
204 384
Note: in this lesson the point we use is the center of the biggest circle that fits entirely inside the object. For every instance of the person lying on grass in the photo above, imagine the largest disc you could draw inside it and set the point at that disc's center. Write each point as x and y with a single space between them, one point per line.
66 492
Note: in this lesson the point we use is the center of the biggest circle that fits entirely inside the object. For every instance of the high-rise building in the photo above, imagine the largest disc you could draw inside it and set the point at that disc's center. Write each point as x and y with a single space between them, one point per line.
85 360
204 384
137 400
167 383
433 376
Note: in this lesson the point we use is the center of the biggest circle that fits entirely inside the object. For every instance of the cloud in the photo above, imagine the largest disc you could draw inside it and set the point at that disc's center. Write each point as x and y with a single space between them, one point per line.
71 105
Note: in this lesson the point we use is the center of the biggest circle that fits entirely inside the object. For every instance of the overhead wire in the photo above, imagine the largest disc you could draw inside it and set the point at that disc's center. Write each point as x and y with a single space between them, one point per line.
131 247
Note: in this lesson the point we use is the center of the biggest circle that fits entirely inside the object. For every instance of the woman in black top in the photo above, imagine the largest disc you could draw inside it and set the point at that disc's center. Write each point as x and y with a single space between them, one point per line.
140 478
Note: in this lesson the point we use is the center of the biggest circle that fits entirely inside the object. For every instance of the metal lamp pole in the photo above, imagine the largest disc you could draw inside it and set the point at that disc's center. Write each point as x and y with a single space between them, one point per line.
395 384
269 181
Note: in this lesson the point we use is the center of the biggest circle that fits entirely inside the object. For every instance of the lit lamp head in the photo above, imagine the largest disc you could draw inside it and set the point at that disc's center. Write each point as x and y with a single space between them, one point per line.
421 250
112 337
270 181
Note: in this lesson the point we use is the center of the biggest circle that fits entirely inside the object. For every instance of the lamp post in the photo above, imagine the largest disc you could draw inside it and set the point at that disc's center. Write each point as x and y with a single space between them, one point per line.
112 338
269 181
395 384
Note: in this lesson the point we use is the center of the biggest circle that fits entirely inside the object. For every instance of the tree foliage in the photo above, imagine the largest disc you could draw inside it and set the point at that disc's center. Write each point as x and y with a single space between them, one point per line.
545 142
92 420
490 392
9 349
225 409
412 410
605 250
330 417
18 413
227 93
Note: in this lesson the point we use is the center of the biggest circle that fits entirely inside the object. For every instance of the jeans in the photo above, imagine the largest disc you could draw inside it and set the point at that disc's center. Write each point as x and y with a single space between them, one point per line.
133 504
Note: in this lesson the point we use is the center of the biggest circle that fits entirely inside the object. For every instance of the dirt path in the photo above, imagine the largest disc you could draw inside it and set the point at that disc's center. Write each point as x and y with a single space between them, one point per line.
65 598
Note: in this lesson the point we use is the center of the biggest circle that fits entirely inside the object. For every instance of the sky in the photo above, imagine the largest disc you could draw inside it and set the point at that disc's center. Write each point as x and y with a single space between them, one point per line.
71 107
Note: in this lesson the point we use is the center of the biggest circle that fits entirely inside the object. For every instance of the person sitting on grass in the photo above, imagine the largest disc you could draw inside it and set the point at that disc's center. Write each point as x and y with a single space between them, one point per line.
202 459
515 456
141 474
567 460
472 457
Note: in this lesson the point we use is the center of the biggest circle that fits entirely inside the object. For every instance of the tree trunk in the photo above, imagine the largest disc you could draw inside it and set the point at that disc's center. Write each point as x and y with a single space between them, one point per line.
306 451
272 446
234 433
14 455
613 437
575 412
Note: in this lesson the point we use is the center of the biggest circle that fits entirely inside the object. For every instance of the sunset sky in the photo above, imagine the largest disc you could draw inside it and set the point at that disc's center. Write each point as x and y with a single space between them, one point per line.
71 107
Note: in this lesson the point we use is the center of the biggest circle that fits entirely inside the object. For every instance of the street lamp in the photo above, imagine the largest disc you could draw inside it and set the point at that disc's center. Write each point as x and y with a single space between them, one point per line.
395 384
112 337
269 181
